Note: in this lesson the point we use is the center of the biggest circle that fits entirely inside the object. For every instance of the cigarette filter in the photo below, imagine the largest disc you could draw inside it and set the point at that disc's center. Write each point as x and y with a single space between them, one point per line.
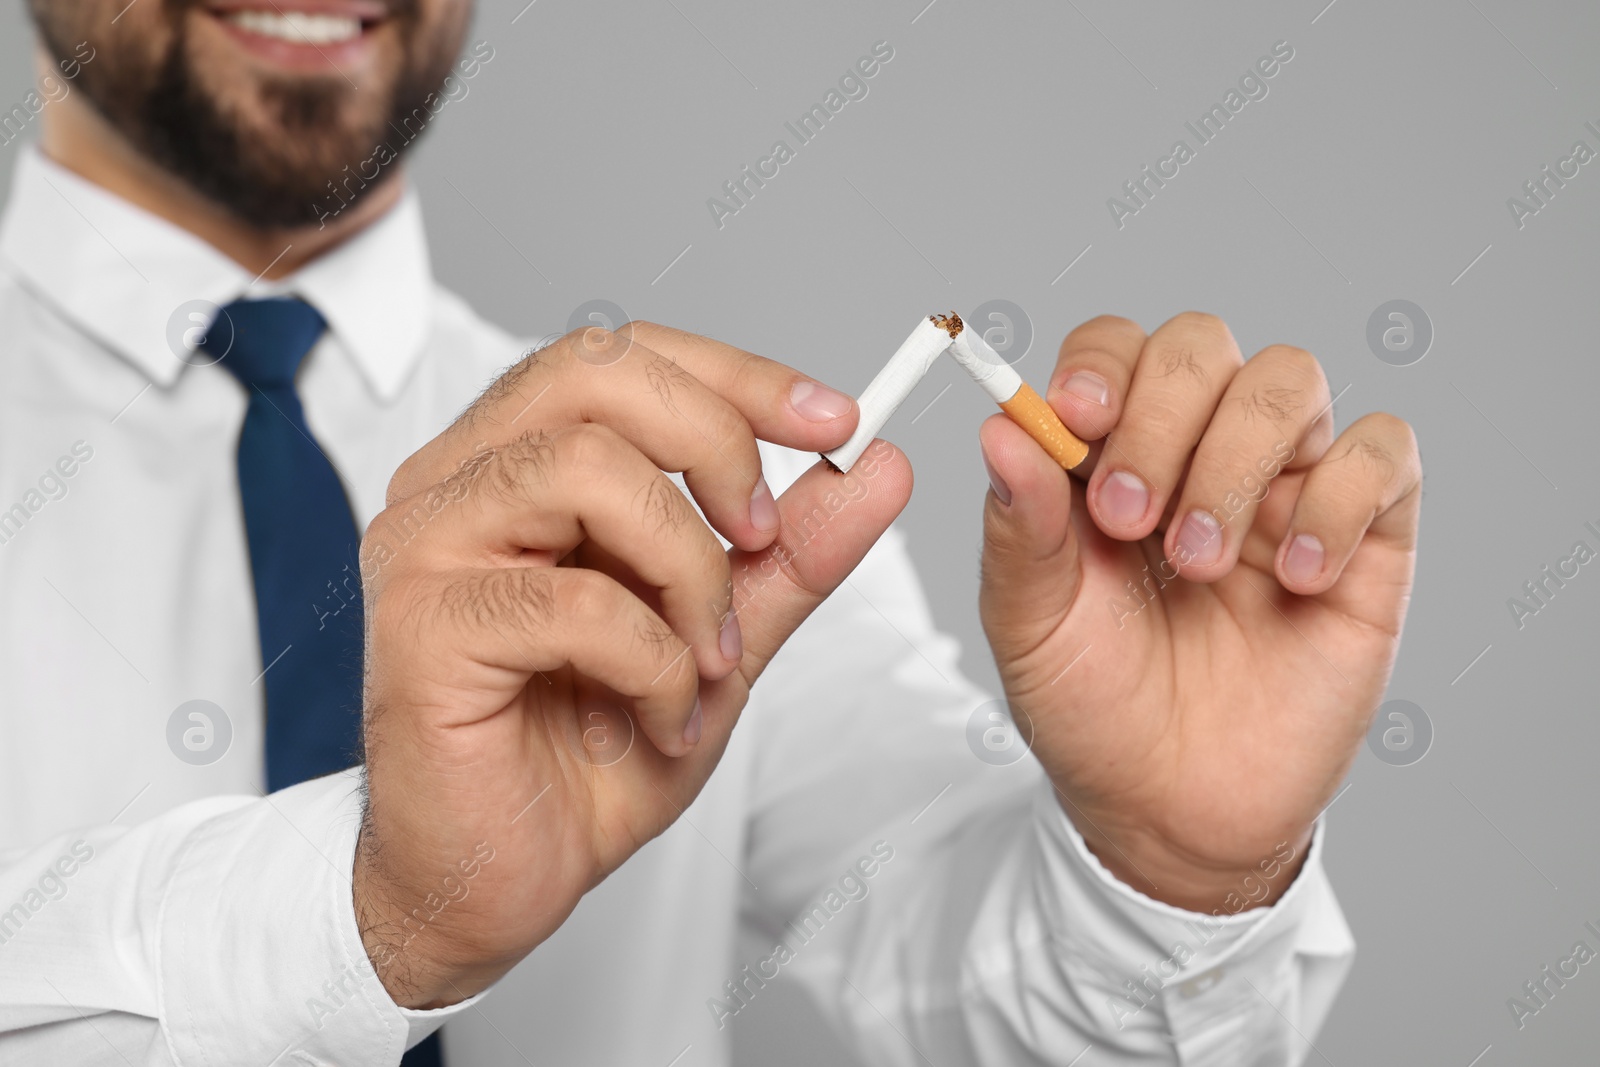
913 359
1016 397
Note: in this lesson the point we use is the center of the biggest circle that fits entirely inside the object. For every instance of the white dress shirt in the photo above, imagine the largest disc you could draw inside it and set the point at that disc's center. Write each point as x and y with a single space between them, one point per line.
153 911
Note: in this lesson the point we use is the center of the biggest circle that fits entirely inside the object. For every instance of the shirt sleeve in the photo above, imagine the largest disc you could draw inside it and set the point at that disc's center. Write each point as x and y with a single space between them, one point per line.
941 907
220 933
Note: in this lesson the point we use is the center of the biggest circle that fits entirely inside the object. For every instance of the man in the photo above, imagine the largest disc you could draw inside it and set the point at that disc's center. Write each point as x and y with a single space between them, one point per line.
558 645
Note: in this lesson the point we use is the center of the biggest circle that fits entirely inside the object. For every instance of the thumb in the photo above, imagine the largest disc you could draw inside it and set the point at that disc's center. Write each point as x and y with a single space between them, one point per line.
828 522
1031 569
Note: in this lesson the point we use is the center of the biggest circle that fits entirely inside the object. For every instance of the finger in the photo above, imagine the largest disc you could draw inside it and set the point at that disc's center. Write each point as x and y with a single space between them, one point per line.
520 621
664 411
1365 493
1092 373
549 493
1030 568
1273 404
830 520
781 404
1182 372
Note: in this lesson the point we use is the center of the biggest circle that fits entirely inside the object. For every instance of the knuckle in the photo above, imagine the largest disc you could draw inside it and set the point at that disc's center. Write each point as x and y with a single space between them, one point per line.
1198 321
1283 382
1110 324
635 332
1292 363
1201 325
405 476
1096 340
511 378
1371 457
1179 363
399 607
518 468
673 337
653 641
662 508
714 419
587 601
588 450
1278 404
667 379
1395 439
506 385
523 597
656 338
373 534
592 344
1193 341
406 520
578 334
1389 427
735 437
748 369
582 597
593 461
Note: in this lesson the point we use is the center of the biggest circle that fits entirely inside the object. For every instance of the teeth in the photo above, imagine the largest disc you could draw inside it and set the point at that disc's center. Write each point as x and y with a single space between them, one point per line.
298 27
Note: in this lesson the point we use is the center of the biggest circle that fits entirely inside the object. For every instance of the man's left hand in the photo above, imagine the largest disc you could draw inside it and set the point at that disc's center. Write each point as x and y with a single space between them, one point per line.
1198 633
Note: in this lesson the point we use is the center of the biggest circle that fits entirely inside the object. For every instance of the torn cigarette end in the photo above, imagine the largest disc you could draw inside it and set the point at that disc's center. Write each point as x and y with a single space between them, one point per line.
1017 398
913 359
1029 410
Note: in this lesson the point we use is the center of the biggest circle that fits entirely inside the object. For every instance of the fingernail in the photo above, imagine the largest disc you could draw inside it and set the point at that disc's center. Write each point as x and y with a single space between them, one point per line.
1123 499
1303 562
818 403
732 641
1199 540
997 483
1088 387
691 733
763 509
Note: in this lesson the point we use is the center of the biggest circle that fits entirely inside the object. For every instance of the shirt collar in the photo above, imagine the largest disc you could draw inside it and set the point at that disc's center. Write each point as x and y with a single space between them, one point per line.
124 276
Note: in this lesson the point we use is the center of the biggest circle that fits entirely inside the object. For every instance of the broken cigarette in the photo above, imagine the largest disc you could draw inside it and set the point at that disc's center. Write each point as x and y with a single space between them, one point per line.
912 361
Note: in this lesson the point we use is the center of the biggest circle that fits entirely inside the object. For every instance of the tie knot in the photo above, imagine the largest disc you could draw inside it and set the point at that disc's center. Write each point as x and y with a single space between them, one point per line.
262 342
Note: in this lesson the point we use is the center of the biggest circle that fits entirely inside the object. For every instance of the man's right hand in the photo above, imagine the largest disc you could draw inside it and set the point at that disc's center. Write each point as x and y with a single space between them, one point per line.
536 588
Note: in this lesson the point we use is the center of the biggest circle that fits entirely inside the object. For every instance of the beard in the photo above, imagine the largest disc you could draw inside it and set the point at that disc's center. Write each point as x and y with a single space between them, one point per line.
272 158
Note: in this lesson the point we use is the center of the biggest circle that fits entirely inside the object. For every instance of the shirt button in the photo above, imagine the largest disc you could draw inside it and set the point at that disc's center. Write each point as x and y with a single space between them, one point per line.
1201 983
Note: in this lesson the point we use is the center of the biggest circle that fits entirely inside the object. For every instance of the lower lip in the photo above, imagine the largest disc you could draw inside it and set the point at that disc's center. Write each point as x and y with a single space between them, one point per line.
302 55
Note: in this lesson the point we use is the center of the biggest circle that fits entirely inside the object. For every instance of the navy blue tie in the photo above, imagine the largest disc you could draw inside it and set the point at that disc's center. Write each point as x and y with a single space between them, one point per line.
303 555
303 545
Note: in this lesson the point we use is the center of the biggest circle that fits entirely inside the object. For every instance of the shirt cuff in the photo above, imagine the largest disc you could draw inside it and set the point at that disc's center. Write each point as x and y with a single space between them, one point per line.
1206 976
259 951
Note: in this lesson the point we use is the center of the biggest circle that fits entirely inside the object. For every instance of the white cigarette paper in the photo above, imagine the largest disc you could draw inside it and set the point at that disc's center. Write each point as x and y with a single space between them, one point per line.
981 361
933 335
886 392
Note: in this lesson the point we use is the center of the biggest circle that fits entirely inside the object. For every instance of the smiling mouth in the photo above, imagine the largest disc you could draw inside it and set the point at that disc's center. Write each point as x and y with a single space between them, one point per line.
298 27
286 30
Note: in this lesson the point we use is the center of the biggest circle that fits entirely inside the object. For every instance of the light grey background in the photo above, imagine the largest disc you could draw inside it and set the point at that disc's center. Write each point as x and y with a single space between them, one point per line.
979 165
